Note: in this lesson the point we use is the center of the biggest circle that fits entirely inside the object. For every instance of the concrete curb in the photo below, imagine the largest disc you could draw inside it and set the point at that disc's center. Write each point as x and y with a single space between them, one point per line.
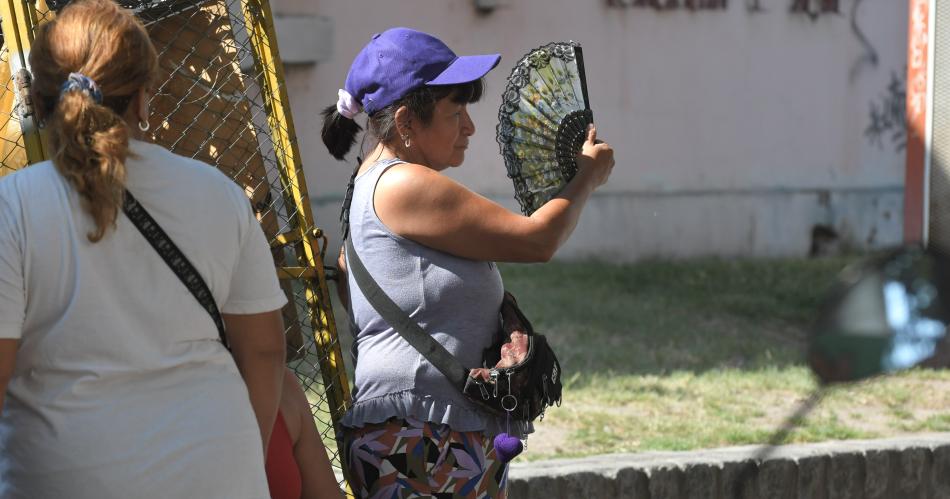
910 467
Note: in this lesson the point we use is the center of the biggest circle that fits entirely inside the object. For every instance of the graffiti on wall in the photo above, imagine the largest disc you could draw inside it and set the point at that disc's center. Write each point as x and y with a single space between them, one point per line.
754 6
869 58
672 4
815 8
887 116
811 8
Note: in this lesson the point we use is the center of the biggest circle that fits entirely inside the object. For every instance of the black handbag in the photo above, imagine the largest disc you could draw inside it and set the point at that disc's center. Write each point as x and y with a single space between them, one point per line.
523 384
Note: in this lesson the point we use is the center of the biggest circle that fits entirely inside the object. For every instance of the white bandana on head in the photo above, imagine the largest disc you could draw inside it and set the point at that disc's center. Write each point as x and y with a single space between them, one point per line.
346 105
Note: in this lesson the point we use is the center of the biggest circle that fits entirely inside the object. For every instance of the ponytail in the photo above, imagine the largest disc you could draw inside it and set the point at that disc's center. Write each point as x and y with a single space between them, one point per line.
90 144
109 60
339 132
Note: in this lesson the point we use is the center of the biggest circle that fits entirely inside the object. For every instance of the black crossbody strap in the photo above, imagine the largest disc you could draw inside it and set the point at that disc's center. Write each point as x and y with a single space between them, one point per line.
432 350
176 260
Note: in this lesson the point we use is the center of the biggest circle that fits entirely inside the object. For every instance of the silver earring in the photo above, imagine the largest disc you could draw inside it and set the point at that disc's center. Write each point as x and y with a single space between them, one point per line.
144 125
405 139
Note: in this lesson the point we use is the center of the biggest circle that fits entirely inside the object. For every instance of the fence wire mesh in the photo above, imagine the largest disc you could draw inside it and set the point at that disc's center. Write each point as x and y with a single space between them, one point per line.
12 150
220 99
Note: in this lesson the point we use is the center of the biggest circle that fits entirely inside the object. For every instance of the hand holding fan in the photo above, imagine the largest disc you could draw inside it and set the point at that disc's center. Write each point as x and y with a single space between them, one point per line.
542 122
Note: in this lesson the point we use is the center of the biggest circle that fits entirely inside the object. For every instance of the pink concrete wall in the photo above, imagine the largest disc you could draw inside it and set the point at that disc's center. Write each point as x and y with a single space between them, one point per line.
692 101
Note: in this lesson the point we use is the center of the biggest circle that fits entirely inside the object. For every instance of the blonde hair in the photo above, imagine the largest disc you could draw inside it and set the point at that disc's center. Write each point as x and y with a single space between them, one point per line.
89 141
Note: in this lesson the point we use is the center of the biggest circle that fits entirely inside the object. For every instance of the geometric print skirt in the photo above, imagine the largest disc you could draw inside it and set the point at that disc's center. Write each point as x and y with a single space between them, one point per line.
407 458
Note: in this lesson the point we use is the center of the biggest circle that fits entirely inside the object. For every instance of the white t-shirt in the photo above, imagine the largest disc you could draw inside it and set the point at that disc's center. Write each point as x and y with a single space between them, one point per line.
121 388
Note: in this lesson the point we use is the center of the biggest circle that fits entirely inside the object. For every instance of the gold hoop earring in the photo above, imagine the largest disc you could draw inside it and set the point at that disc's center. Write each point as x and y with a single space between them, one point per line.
144 127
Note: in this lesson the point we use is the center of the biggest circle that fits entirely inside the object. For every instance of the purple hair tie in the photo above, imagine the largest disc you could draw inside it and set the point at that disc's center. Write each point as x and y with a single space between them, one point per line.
78 82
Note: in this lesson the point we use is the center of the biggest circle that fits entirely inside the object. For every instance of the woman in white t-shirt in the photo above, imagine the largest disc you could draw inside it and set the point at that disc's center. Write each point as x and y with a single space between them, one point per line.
115 381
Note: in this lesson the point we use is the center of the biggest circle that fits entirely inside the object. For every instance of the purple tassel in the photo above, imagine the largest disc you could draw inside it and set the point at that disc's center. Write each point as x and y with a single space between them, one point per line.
507 447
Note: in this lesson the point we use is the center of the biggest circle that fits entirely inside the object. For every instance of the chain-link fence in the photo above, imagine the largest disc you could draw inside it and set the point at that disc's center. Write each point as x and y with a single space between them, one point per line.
12 151
220 99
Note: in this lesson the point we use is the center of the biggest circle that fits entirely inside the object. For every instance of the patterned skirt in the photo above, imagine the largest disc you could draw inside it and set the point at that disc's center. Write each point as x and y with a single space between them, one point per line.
408 458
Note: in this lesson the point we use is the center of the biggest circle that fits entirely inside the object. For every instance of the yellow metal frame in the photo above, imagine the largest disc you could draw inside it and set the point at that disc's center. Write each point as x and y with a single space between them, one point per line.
260 27
19 20
18 24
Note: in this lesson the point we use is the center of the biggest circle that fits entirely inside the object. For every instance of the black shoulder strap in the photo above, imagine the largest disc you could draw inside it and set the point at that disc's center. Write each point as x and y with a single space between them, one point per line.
175 259
348 199
432 350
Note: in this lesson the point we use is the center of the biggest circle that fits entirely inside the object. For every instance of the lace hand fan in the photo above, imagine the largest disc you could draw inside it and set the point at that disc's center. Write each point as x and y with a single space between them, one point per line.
542 122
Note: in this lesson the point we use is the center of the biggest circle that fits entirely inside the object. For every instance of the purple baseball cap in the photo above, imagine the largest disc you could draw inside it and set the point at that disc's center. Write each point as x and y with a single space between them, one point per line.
400 60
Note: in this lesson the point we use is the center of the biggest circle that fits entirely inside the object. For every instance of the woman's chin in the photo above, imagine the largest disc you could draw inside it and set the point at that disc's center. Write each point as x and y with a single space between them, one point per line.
457 159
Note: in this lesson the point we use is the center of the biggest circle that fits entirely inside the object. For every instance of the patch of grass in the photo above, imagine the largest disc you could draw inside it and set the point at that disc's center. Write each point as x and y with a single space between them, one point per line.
938 422
699 354
829 427
684 410
661 316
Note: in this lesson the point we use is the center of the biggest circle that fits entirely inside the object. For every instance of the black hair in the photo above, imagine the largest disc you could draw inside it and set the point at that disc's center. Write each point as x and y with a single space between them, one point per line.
339 132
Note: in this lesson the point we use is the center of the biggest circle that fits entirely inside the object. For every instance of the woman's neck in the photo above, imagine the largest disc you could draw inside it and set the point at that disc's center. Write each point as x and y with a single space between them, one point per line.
383 152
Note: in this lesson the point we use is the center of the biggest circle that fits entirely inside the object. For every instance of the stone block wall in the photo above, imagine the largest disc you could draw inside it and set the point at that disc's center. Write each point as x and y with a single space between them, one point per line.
906 468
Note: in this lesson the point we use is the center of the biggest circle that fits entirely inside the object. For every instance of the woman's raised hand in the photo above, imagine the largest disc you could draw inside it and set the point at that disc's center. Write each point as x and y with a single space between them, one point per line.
596 159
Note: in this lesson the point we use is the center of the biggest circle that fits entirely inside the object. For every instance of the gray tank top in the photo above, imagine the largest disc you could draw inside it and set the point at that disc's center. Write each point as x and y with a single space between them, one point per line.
454 299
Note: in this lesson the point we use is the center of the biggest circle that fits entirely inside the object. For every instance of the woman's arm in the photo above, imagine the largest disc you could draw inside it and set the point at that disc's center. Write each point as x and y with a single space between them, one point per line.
258 347
8 349
318 481
432 209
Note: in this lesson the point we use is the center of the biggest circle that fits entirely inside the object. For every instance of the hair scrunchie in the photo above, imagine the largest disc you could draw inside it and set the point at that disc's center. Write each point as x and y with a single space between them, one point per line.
346 105
78 82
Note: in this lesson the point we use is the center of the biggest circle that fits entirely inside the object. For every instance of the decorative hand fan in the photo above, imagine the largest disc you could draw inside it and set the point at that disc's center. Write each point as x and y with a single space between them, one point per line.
542 122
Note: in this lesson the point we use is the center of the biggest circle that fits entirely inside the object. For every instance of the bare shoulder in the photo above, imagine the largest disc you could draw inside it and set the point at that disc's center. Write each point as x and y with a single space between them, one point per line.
408 186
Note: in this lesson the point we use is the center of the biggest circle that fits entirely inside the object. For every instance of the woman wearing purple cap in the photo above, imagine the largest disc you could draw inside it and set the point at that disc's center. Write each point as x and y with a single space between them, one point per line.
430 244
